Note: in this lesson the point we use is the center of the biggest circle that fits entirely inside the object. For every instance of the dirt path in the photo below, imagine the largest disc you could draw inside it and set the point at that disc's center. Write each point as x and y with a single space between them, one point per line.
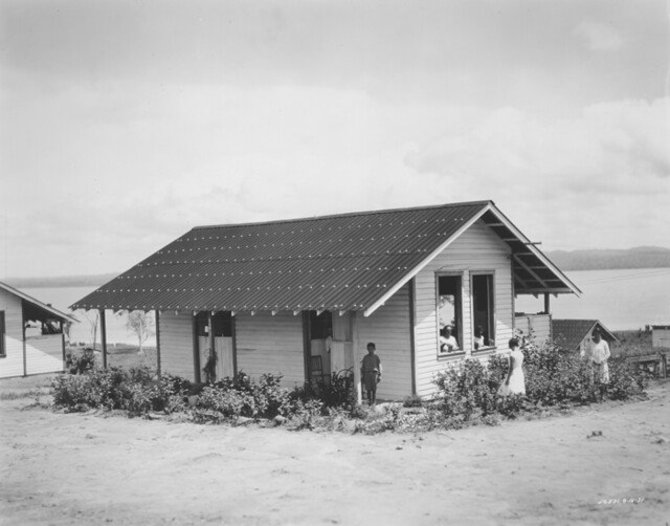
90 469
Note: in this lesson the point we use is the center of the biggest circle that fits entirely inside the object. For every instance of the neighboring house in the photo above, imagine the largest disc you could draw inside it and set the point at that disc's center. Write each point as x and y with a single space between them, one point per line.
271 297
660 336
575 335
31 335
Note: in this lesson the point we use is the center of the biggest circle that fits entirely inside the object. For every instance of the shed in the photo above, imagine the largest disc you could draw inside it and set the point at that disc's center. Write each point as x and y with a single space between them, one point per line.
23 353
268 297
575 335
660 336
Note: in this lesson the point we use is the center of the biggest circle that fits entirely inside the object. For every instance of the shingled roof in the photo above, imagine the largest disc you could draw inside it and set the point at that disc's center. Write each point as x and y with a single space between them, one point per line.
569 334
339 262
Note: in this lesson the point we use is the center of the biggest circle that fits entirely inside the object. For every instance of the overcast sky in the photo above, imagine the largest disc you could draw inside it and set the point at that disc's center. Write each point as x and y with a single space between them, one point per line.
125 123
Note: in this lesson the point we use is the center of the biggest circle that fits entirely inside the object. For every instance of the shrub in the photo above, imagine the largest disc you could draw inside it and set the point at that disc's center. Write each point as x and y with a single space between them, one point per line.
467 390
138 390
79 362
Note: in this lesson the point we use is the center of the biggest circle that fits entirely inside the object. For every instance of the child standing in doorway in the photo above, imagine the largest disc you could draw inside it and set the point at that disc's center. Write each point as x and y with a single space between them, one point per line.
371 373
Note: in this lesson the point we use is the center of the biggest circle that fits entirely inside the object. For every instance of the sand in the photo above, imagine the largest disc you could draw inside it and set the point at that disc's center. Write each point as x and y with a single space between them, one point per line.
608 464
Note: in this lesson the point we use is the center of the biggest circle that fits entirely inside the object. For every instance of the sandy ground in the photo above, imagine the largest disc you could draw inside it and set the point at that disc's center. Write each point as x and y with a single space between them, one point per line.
91 469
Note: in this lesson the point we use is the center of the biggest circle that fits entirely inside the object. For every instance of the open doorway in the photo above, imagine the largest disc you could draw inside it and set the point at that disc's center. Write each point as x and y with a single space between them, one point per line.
320 343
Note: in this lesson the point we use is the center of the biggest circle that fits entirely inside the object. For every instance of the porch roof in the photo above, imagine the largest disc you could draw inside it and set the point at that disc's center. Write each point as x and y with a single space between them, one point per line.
346 262
35 309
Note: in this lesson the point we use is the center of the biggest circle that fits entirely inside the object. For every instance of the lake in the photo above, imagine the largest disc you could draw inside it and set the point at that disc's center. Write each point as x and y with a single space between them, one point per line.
620 299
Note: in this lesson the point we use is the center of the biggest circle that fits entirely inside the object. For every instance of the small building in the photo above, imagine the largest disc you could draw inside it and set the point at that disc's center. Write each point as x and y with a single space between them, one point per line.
660 336
303 297
32 339
575 335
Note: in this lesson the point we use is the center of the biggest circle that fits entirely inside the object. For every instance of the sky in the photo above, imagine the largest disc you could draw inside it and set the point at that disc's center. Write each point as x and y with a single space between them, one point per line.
123 124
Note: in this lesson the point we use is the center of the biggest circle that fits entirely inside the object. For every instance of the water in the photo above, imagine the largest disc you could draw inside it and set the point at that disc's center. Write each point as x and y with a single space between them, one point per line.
621 299
62 297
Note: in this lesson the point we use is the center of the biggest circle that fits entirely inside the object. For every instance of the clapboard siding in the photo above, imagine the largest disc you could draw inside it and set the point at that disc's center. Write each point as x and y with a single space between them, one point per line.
477 249
389 328
44 354
538 324
271 344
12 363
176 337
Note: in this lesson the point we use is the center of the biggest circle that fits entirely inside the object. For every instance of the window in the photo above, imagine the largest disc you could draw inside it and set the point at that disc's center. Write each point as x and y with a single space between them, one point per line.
321 326
222 324
483 320
3 353
449 313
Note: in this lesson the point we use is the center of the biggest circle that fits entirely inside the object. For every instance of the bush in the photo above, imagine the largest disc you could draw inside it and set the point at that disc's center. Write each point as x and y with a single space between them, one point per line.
79 362
235 397
553 377
467 390
138 390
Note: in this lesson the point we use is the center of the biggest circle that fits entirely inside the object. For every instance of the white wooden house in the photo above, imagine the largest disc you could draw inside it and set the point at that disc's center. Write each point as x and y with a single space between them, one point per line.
25 350
303 297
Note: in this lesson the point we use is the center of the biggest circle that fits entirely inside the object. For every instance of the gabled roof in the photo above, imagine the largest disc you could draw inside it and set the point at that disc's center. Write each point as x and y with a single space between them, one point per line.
35 308
338 262
569 334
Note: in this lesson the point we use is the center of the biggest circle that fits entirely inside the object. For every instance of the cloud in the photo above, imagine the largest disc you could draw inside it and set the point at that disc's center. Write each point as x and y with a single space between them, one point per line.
599 36
605 170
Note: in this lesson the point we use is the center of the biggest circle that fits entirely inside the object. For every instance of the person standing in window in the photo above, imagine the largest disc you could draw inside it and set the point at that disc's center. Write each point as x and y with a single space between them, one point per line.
371 373
479 337
448 342
515 382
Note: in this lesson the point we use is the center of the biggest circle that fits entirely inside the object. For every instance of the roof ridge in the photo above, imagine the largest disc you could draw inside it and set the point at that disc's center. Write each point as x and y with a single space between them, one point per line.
345 214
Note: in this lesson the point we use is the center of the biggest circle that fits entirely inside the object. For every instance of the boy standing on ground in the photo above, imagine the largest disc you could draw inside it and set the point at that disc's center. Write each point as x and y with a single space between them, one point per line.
371 373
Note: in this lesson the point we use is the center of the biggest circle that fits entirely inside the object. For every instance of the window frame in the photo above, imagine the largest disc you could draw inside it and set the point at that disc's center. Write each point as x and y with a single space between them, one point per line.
492 307
458 313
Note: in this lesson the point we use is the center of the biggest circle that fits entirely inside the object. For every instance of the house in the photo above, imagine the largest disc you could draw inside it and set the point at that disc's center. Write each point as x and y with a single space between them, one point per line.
26 350
660 336
277 296
575 335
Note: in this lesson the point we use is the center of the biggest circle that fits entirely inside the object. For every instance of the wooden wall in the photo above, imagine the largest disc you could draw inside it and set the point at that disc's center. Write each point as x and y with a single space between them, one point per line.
44 354
176 337
389 327
539 324
271 344
12 364
477 249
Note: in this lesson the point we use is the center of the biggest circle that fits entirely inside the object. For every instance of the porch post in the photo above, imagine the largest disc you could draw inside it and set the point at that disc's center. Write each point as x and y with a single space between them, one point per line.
62 339
23 340
196 348
210 341
357 364
103 337
546 303
158 342
306 346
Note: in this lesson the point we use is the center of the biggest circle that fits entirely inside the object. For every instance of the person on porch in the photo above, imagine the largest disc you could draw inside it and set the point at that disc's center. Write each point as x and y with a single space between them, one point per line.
371 373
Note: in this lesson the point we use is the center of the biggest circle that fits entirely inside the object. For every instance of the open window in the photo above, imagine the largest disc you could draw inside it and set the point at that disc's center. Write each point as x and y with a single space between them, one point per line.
449 301
483 311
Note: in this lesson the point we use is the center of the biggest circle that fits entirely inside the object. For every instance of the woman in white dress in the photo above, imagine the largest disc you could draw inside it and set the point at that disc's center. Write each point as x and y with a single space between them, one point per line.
598 355
515 382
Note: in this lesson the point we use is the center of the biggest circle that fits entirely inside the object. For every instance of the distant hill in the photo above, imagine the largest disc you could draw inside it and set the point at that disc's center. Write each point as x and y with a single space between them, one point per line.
601 259
61 281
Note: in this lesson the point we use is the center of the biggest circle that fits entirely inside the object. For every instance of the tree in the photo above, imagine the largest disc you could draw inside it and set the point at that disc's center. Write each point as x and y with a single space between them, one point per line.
92 320
142 325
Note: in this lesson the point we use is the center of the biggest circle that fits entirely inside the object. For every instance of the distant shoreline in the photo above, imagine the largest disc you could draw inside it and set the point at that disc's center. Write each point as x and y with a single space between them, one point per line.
574 260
